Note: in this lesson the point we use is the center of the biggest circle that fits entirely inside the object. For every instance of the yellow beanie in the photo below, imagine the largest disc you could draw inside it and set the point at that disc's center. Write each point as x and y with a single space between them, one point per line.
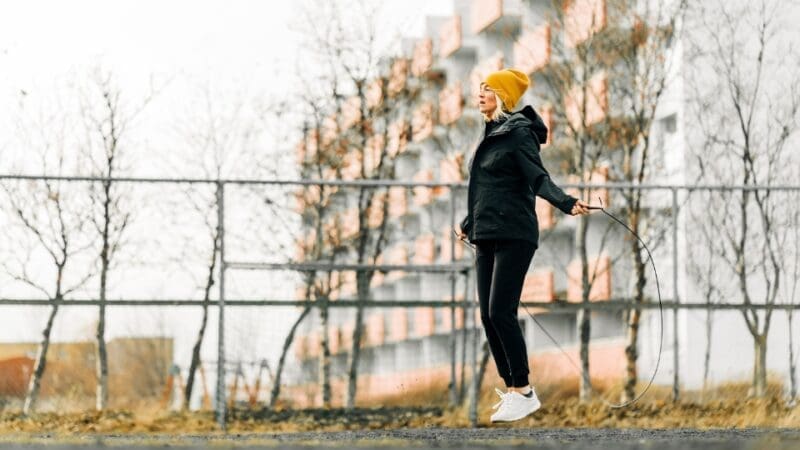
509 85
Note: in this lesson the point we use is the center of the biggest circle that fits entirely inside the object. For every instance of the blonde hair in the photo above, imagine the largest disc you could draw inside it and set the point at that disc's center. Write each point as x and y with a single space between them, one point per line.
500 113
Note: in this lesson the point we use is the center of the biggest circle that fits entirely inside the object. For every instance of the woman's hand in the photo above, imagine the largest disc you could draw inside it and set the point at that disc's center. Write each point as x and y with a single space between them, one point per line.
580 208
459 232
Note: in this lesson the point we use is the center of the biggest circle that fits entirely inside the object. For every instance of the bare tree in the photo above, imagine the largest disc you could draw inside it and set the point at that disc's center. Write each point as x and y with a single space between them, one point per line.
276 383
791 296
218 133
746 96
365 109
569 94
51 212
701 271
107 120
643 56
603 84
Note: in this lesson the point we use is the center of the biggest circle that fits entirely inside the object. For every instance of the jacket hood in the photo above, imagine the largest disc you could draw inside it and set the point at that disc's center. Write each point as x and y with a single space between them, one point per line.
526 117
536 123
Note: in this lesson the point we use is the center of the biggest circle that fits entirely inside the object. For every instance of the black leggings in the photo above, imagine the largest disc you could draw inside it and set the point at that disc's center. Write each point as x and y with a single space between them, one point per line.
501 266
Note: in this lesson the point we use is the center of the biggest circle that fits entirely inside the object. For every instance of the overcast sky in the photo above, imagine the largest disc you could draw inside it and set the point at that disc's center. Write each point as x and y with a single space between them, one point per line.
245 45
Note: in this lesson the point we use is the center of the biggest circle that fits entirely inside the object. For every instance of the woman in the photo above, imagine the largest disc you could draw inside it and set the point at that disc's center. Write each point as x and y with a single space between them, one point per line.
506 173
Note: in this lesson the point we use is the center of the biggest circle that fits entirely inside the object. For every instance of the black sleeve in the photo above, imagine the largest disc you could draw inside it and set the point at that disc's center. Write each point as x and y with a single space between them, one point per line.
466 224
527 157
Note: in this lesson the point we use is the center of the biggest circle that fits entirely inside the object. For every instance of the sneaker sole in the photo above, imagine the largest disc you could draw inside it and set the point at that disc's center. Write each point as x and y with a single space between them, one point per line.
513 419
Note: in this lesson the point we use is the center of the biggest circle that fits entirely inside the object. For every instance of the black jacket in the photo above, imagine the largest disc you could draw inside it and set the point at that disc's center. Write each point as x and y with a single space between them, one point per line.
505 174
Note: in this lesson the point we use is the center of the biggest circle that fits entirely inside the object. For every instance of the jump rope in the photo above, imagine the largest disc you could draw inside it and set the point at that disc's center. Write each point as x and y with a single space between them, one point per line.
564 352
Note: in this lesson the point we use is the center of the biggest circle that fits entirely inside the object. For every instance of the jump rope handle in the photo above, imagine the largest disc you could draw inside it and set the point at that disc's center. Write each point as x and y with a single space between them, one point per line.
596 207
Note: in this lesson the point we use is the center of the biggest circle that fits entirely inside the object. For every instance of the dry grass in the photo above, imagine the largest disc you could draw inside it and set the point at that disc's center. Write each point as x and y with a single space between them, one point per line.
724 407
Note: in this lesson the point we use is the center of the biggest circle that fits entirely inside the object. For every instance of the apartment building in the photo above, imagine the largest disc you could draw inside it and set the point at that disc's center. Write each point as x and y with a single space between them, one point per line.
409 346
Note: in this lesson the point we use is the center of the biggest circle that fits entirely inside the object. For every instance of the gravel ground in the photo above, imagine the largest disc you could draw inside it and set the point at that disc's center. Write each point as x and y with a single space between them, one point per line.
480 438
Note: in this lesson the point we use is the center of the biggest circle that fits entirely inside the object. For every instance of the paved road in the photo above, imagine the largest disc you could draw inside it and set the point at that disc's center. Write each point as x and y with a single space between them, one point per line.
480 438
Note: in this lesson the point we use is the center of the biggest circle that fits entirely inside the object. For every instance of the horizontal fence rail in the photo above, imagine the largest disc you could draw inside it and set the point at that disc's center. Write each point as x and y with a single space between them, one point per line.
557 305
389 183
306 267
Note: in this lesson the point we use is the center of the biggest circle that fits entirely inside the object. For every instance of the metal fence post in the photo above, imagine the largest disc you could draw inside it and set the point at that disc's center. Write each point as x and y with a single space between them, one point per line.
453 343
675 359
220 394
472 322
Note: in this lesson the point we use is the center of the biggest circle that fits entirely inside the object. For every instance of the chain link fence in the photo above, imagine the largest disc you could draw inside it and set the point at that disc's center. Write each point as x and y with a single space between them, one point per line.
278 279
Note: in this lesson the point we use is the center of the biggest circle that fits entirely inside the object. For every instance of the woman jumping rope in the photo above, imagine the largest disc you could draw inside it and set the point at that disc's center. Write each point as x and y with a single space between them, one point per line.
505 175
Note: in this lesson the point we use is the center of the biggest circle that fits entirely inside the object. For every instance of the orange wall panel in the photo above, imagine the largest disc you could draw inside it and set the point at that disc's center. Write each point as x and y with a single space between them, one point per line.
539 287
484 13
423 57
424 321
451 103
450 37
599 278
532 49
582 19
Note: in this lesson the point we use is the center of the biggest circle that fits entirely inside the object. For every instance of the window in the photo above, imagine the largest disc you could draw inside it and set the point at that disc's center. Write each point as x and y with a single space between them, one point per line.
669 124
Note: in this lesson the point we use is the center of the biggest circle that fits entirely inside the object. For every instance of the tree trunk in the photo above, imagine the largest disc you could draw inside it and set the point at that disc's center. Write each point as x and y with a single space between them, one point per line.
584 318
101 399
707 358
631 355
355 350
792 365
101 366
276 387
463 386
760 366
203 322
325 355
453 352
195 362
39 366
477 381
631 348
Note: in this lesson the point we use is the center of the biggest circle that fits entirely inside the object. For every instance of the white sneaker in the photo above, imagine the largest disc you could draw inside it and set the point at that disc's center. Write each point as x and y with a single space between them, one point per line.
515 406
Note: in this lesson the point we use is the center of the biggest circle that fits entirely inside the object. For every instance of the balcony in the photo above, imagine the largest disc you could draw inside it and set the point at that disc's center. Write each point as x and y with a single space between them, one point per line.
422 122
351 165
493 16
445 237
451 103
599 279
447 322
598 176
596 102
423 195
374 94
351 112
424 249
375 329
424 321
450 37
539 286
334 340
398 76
545 214
398 330
398 138
582 19
532 49
398 201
